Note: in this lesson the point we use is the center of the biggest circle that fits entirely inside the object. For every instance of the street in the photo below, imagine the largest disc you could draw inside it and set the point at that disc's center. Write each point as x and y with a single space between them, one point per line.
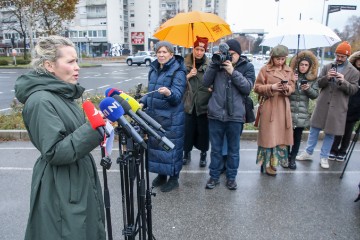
309 203
95 79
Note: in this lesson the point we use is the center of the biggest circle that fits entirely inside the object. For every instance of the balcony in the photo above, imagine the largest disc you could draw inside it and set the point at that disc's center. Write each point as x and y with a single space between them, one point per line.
90 15
95 2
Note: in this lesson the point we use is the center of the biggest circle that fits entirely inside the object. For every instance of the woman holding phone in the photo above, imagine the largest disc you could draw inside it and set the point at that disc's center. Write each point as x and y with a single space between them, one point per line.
274 84
305 65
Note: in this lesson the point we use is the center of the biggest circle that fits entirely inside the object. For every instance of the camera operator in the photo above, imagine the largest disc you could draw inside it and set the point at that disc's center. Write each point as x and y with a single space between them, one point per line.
336 85
232 78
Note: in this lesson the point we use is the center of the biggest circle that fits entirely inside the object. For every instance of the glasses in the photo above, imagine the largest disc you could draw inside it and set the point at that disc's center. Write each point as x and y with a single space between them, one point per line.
341 56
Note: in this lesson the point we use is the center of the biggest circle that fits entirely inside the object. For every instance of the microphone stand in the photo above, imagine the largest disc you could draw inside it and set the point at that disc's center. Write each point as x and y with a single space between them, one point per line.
106 164
121 162
149 194
126 189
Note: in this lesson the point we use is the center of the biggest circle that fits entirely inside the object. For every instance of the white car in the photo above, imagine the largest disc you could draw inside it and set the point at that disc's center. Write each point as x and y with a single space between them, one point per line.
141 57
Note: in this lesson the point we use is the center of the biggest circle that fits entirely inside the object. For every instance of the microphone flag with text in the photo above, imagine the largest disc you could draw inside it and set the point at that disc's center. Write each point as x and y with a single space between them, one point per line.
113 111
135 106
164 142
95 118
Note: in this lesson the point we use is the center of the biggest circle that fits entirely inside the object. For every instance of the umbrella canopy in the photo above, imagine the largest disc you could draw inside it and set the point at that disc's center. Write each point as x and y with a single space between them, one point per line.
184 27
301 34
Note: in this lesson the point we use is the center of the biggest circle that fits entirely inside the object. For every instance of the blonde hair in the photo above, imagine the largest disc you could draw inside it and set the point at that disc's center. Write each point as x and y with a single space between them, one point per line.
47 49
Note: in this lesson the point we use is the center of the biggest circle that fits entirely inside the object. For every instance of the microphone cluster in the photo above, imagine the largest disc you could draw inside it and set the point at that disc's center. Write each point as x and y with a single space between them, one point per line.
118 103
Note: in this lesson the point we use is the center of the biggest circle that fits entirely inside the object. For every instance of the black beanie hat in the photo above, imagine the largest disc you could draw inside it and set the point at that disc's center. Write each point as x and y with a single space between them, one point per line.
234 45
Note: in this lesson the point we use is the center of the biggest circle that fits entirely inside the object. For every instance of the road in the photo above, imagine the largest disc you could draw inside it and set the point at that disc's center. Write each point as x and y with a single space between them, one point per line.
94 79
310 203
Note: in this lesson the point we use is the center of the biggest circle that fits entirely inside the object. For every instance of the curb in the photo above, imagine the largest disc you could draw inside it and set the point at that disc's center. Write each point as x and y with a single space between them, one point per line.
22 135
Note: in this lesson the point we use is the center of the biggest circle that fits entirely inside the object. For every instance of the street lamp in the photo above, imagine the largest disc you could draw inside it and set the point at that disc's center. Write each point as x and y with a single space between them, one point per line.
278 8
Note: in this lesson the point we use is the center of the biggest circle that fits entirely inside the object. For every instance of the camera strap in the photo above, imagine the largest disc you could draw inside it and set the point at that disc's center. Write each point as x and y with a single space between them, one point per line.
229 98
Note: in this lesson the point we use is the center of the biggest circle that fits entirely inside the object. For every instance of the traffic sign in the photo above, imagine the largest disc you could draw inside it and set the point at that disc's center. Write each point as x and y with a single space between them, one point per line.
337 8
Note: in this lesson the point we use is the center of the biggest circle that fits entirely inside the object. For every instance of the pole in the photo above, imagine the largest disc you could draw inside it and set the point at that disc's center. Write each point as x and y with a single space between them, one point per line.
278 10
323 49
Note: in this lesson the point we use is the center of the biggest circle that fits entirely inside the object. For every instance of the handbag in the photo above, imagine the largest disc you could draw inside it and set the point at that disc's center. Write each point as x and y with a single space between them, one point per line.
249 110
261 103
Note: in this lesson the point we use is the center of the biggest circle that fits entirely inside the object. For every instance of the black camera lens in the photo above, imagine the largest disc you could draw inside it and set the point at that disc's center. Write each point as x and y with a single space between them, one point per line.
217 58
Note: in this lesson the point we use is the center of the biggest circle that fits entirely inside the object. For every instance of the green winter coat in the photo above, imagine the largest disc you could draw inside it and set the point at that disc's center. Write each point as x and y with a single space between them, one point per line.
200 93
299 103
66 199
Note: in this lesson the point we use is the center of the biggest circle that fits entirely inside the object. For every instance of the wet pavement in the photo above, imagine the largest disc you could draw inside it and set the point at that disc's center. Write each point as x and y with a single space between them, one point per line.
308 203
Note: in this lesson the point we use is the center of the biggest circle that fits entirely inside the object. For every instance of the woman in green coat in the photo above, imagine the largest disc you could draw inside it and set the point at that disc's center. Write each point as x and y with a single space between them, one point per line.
66 199
305 65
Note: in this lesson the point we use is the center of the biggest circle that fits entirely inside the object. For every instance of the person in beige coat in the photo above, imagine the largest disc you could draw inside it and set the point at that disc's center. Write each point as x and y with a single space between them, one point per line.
337 81
274 83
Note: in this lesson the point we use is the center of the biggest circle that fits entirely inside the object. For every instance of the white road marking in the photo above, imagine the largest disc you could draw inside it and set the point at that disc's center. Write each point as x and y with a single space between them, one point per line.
206 171
5 109
104 86
89 90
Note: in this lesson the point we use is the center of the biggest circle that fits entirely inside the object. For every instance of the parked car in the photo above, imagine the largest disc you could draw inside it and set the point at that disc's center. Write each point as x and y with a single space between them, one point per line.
249 56
141 57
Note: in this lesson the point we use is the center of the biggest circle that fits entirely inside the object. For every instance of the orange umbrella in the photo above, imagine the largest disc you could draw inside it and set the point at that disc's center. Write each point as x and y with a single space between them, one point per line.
184 27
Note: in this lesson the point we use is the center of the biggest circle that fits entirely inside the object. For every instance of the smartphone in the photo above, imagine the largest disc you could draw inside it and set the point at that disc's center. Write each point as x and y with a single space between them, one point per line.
284 81
303 81
334 66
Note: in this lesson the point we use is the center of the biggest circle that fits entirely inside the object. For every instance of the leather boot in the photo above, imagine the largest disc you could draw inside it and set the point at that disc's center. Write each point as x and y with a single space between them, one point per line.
292 163
203 159
186 158
269 171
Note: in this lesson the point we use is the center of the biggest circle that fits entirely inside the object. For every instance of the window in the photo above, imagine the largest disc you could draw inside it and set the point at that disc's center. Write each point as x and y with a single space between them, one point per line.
132 24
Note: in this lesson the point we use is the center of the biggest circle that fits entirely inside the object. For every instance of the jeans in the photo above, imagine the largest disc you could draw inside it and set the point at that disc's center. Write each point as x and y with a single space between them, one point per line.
312 141
218 130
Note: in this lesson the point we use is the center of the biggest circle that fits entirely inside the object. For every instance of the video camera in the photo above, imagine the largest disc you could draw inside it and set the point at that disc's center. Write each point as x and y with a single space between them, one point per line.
223 55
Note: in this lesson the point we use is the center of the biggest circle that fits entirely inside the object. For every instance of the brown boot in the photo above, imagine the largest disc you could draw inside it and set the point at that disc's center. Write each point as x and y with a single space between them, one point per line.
269 171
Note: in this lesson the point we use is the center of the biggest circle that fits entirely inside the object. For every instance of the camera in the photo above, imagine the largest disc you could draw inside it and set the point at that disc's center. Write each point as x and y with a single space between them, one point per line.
223 55
303 82
284 81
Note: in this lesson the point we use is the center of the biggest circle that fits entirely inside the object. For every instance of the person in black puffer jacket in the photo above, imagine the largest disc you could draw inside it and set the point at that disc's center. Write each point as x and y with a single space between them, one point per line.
353 115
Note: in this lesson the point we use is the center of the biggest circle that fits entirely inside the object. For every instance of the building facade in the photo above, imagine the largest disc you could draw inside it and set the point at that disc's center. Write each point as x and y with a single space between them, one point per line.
116 27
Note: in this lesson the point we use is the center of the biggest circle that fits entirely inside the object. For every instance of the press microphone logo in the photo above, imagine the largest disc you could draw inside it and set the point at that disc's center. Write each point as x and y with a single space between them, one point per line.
96 112
110 109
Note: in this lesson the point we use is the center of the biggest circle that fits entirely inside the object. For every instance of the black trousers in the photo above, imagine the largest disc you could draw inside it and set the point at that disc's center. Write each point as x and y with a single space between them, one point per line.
343 140
294 150
196 132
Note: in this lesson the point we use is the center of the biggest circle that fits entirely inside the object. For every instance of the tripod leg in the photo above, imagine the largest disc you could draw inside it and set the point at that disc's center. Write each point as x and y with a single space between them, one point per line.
106 199
351 148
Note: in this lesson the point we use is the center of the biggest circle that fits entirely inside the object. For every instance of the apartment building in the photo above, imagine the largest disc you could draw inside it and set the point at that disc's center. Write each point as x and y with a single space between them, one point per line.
103 27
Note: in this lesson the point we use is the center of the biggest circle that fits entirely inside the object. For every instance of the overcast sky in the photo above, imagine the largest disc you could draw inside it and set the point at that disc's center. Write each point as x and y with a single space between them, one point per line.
262 14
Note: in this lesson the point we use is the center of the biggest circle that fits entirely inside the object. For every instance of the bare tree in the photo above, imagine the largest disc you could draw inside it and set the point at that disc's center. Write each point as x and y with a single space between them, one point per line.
45 17
351 32
54 13
16 18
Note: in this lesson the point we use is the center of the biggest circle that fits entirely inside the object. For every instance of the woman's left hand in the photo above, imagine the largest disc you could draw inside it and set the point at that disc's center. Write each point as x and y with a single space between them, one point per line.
164 91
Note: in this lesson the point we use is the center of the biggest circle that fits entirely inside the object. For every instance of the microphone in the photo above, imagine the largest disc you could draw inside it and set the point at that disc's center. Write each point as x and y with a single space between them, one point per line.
95 118
135 106
113 111
223 47
164 142
111 91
